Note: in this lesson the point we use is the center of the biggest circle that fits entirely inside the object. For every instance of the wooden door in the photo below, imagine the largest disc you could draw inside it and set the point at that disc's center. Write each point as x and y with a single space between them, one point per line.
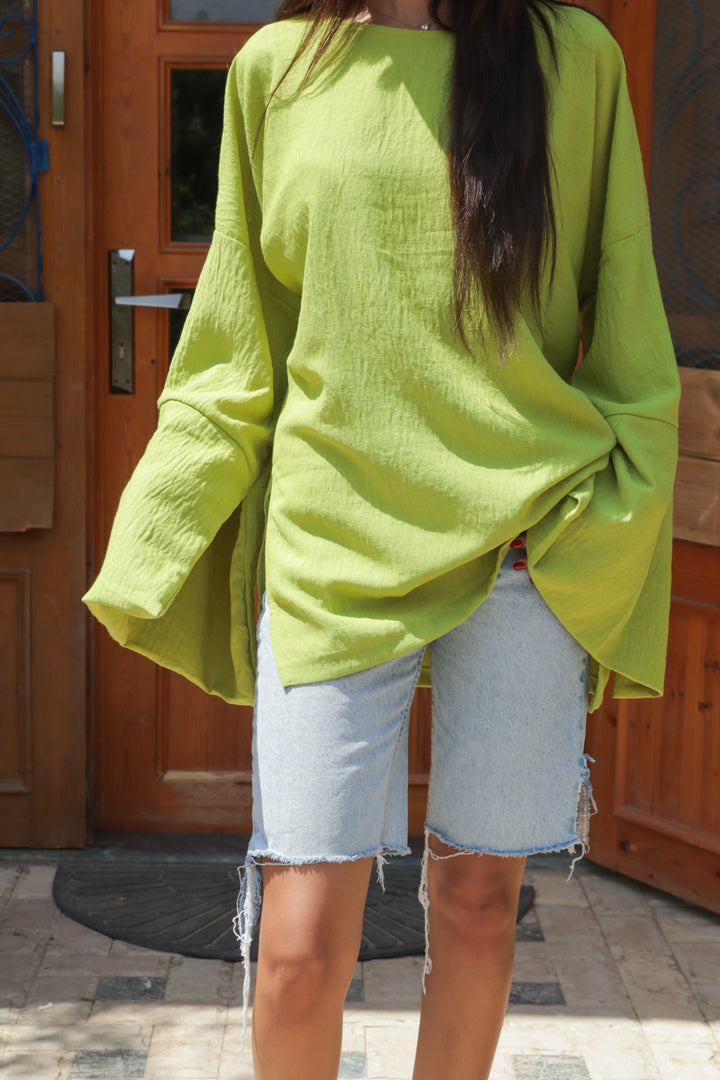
165 756
657 771
42 438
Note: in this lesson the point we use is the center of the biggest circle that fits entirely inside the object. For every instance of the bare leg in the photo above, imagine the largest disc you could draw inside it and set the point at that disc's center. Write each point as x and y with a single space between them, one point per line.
309 941
473 908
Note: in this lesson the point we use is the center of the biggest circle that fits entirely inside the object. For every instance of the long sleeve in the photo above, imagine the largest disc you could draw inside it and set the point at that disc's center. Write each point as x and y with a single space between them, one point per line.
216 418
620 525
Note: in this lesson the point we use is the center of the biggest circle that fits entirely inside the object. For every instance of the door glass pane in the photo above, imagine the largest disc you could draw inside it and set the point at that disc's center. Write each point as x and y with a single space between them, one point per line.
685 190
224 10
196 127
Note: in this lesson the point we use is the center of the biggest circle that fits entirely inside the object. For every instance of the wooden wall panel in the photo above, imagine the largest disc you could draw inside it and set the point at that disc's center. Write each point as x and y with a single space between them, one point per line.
700 410
15 701
27 416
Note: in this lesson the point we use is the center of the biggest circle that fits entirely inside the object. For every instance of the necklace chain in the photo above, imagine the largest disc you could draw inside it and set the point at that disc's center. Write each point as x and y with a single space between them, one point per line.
409 26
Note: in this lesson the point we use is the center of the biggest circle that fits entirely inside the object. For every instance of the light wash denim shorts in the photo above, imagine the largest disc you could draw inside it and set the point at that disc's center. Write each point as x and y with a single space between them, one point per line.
508 775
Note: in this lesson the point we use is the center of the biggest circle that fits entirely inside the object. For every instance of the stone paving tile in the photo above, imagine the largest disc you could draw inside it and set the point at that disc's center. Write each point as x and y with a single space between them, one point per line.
572 932
35 883
687 1062
353 1038
130 988
533 963
396 982
118 1064
19 943
553 887
536 993
586 982
154 964
632 933
125 949
528 931
34 920
56 1012
190 980
18 975
53 1038
146 1012
541 1031
63 981
232 1036
391 1051
608 892
188 1047
663 999
549 1067
36 1066
707 995
502 1068
233 1068
74 938
63 992
688 924
352 1064
614 1049
698 960
8 879
183 1058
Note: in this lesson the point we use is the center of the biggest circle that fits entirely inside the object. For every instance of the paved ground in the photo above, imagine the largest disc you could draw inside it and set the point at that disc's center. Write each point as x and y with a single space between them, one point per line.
613 981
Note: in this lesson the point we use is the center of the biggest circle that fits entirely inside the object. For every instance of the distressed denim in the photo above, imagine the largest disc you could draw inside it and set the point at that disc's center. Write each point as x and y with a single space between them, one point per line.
508 776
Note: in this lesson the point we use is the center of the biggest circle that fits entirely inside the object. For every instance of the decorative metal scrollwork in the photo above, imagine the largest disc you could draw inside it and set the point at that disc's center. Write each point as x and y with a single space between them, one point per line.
22 155
686 175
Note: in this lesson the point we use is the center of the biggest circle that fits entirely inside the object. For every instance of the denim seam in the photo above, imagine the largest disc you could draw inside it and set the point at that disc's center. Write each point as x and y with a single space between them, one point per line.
305 860
398 741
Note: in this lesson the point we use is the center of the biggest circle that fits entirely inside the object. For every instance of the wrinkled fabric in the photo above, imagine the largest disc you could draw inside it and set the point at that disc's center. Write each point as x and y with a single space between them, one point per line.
320 354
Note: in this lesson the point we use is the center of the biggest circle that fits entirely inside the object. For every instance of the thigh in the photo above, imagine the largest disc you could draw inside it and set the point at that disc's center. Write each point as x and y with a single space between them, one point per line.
330 761
509 710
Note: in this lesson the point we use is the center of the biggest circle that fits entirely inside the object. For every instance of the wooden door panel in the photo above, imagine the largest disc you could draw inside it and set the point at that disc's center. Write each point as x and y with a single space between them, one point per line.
166 756
658 762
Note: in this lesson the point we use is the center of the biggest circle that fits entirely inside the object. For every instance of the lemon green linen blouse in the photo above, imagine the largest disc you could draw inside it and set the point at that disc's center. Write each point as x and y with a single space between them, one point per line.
323 433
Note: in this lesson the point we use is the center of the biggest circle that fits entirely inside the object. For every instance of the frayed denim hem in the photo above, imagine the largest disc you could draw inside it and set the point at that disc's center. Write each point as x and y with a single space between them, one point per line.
249 901
586 808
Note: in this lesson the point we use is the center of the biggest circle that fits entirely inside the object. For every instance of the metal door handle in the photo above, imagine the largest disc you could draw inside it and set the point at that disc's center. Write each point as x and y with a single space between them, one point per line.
175 301
58 88
122 315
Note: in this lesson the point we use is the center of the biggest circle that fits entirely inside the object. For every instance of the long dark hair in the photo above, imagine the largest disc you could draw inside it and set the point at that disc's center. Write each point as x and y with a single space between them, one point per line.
499 161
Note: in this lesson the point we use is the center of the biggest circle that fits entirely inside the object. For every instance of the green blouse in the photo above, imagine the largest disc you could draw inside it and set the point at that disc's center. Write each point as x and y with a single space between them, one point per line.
320 354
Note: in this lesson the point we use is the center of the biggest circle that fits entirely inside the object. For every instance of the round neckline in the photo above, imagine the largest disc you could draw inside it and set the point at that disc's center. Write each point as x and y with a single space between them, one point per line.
400 29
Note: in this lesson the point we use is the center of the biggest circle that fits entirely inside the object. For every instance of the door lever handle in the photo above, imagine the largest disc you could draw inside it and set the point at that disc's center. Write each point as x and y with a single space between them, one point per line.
175 301
122 315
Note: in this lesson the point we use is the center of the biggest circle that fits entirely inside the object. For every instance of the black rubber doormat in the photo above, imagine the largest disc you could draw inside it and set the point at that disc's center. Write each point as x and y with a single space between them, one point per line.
187 908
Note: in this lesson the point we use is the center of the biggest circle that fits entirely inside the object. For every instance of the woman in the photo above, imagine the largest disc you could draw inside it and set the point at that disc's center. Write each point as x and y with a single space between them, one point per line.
379 380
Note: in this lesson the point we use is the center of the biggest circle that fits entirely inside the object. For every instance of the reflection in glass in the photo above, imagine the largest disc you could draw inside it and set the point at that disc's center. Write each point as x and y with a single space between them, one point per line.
224 10
196 128
685 189
176 321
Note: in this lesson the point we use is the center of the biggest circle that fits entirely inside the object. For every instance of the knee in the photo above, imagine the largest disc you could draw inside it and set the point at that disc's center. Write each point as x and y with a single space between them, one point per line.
477 905
296 976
